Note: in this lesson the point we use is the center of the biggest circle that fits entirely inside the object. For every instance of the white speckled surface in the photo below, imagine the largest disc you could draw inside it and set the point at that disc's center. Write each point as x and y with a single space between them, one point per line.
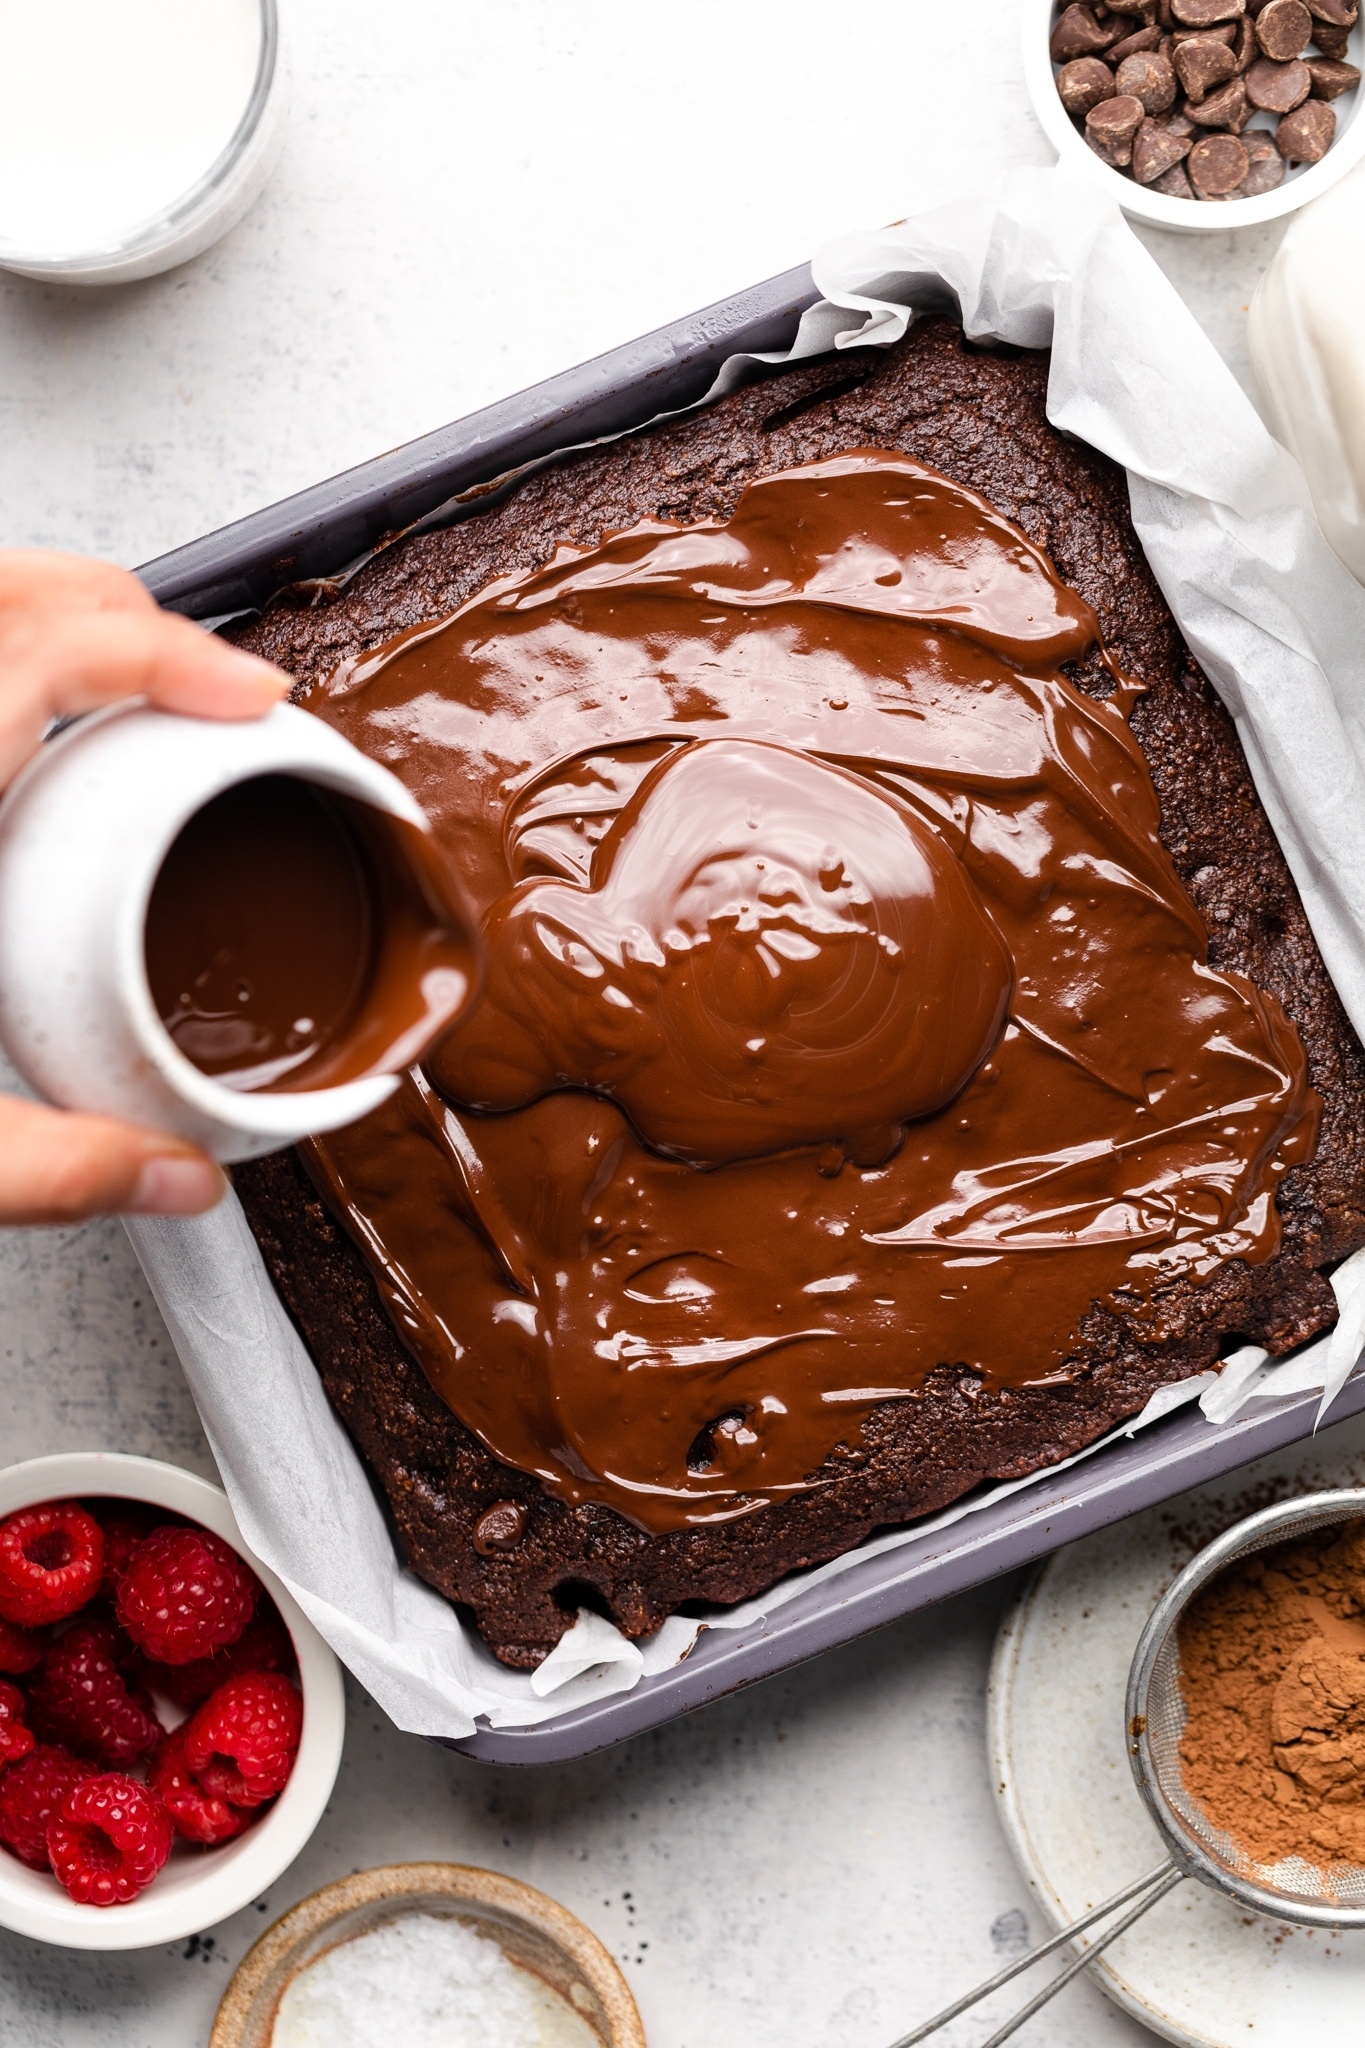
818 1860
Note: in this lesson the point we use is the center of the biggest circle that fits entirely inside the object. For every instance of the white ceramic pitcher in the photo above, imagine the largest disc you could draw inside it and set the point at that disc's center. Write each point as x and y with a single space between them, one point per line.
84 830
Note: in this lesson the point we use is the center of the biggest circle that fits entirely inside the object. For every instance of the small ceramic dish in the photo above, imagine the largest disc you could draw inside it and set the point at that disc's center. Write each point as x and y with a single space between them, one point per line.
1200 1969
198 1887
533 1930
1193 216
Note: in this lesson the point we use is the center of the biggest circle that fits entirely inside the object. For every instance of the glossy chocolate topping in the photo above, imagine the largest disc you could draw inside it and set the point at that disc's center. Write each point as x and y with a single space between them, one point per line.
296 939
772 952
845 1014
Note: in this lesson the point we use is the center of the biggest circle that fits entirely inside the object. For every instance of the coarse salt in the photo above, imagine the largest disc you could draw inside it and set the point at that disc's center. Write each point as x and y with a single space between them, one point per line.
426 1981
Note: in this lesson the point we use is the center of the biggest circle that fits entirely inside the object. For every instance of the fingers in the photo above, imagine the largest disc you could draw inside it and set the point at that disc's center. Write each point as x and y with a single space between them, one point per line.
53 664
74 635
43 579
60 1168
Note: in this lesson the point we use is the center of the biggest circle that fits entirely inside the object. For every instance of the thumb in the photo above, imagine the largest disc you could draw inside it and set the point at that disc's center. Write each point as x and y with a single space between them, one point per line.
57 1167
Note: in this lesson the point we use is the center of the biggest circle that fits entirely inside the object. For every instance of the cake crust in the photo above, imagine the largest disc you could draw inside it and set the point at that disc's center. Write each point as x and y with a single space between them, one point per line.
979 417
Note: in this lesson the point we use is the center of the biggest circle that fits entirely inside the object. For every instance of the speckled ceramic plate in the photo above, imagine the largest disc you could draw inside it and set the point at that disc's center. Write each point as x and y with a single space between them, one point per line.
1197 1969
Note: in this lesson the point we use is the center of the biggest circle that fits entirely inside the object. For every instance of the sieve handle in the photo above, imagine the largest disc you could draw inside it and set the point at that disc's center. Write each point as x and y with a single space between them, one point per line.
1152 1887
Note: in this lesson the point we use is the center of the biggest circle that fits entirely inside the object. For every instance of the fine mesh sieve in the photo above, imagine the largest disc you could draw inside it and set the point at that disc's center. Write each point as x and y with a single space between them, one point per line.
1154 1709
1290 1890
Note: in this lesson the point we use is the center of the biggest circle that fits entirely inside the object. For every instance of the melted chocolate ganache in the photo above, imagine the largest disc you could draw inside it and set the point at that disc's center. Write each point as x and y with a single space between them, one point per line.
350 967
844 1014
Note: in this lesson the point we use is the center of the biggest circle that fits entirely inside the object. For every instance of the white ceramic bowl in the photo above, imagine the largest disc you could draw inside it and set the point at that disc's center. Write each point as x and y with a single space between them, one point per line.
1195 216
198 1887
194 220
84 829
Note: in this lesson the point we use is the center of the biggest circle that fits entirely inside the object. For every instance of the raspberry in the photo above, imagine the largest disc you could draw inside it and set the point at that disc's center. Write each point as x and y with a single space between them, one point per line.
30 1793
20 1649
130 1660
16 1737
125 1524
197 1815
80 1697
51 1558
108 1839
185 1595
242 1743
263 1645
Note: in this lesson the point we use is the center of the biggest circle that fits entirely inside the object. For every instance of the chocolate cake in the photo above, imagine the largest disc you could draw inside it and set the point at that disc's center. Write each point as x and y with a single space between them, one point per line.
1112 1131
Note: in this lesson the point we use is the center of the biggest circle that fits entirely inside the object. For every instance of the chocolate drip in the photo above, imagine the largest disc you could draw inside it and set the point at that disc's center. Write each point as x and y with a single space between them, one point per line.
297 939
846 1016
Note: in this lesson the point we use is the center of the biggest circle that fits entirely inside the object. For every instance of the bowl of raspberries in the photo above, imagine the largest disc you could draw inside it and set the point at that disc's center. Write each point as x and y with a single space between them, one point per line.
170 1721
1201 113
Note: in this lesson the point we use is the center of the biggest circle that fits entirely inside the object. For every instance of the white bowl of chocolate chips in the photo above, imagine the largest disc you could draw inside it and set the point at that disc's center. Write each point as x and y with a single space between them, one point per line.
1201 114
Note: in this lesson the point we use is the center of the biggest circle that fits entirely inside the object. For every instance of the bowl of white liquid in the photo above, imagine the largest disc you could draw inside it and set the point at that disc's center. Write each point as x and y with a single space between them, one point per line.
430 1955
136 132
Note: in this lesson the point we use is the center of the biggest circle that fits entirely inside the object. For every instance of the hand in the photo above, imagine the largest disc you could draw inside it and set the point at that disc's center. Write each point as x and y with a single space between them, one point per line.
74 635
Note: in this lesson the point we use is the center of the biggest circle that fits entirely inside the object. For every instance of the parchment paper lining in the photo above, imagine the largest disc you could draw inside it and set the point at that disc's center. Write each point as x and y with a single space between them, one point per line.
1278 624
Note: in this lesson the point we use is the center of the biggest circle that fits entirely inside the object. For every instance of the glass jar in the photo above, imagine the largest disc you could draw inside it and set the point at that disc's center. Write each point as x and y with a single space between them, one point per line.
93 144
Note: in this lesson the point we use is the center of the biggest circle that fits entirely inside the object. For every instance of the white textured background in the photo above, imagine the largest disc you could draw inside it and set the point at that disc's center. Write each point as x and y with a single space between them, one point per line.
472 197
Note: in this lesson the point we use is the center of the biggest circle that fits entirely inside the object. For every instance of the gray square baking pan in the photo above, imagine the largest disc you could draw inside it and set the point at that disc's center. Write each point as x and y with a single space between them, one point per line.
317 533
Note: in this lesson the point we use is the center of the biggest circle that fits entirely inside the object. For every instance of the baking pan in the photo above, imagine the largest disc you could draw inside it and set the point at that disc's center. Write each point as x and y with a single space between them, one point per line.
320 531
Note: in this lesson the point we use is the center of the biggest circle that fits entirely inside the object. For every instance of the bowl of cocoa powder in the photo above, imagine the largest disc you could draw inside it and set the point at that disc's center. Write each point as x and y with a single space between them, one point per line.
1247 1711
1201 114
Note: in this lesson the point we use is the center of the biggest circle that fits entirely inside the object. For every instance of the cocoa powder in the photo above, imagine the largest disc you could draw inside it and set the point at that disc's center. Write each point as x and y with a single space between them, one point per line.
1272 1662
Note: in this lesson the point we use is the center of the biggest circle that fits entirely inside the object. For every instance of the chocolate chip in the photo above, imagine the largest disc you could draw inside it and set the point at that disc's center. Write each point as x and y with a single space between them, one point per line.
1134 45
1111 126
1283 29
1175 183
1148 78
1333 42
1223 55
1203 13
1084 86
1078 34
1279 88
1246 49
1331 78
1226 108
500 1528
1306 135
1155 150
1265 166
1202 64
1083 83
1217 165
